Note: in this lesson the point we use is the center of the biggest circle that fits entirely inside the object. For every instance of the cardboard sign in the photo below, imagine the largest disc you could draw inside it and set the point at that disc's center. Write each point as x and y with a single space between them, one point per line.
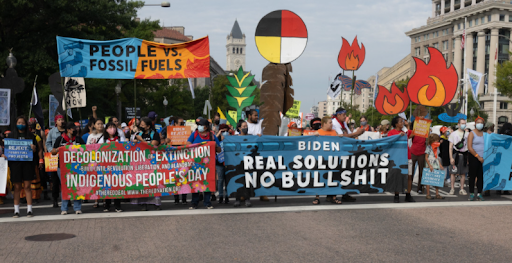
422 127
18 150
293 112
294 132
3 174
74 93
435 178
51 162
178 134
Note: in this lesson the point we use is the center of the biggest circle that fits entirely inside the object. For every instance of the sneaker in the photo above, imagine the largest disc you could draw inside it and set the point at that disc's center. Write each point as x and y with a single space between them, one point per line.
237 203
119 210
16 215
105 210
248 203
408 198
64 212
184 202
193 207
78 212
463 192
226 201
471 197
420 192
176 202
452 191
55 204
214 198
396 199
158 207
221 200
347 198
480 197
30 214
209 207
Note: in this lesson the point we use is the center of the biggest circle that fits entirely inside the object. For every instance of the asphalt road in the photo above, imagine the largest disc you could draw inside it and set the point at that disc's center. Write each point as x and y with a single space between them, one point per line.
372 229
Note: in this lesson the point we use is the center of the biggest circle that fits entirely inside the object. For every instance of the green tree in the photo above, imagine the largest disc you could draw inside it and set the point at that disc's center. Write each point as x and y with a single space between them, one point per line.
504 78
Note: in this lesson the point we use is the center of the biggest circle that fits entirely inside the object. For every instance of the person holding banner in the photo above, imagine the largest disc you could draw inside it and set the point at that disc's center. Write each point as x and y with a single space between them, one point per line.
111 135
70 137
22 171
175 121
147 134
432 158
94 137
399 185
203 134
327 130
339 124
459 156
243 131
316 124
418 148
53 134
219 166
476 159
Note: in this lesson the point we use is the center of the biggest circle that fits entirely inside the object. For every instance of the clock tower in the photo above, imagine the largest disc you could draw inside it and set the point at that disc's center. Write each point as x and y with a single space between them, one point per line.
235 49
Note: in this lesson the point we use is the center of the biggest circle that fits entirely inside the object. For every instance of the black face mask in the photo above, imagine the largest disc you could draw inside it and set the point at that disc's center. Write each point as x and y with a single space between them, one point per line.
75 132
245 130
217 122
317 126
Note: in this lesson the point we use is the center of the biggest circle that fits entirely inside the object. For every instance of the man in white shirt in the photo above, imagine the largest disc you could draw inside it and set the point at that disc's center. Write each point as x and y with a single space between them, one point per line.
458 157
341 127
253 124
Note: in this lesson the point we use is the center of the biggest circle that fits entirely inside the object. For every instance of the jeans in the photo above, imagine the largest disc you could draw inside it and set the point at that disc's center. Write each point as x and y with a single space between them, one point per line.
77 204
221 181
206 199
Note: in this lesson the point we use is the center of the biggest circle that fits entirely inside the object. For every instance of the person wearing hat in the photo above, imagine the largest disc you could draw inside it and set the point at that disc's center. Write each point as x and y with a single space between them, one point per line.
384 128
70 137
489 127
53 134
203 133
352 125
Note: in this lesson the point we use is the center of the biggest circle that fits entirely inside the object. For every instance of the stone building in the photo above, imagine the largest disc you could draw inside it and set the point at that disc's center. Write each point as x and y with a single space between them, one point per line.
235 49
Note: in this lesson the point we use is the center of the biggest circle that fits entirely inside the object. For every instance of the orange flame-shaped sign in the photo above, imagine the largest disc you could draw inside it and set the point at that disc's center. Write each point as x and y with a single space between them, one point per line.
351 57
433 84
391 102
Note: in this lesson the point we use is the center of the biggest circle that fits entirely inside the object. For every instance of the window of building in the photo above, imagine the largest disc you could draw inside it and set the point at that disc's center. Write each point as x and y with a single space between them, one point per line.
417 51
233 50
241 51
453 44
445 55
489 18
445 45
426 49
509 18
482 20
502 120
502 17
436 45
482 105
458 26
503 105
470 23
476 22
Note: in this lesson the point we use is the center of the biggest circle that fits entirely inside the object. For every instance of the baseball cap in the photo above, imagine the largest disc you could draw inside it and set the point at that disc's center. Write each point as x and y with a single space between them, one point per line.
123 125
203 122
152 115
384 122
443 129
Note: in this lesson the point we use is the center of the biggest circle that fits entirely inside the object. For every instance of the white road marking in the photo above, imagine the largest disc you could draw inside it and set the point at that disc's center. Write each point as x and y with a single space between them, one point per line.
203 211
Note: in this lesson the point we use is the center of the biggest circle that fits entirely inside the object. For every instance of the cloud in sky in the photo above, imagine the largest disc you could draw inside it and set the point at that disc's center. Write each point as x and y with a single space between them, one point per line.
380 25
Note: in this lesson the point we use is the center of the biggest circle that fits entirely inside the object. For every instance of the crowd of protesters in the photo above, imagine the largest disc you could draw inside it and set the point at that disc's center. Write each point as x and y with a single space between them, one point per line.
456 150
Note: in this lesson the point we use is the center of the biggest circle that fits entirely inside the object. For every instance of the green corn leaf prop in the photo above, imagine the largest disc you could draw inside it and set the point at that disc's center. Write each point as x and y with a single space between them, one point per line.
240 92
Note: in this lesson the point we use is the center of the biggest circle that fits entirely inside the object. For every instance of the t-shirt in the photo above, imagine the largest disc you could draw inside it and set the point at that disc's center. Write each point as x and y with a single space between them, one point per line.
394 132
337 127
85 137
94 138
327 133
195 137
418 145
106 140
455 138
254 128
152 135
432 158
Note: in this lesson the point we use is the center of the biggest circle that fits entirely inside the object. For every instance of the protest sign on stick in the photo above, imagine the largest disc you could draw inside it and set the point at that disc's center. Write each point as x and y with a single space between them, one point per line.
178 134
422 127
18 150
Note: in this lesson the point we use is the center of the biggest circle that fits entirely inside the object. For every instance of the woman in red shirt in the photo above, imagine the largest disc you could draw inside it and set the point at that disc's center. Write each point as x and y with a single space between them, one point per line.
399 185
418 148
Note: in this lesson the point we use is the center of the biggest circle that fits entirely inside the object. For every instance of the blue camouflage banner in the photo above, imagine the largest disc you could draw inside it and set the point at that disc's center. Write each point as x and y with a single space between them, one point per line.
497 167
311 165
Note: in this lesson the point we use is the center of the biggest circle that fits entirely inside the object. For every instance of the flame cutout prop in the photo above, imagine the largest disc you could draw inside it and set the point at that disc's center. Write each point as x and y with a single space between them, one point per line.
433 84
391 102
351 57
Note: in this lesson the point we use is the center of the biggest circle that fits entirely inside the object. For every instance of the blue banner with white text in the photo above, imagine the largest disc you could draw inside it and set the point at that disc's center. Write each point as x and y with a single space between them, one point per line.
18 150
497 167
311 165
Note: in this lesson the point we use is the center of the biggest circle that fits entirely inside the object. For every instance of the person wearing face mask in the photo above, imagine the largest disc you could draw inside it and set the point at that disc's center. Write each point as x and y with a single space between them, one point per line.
239 197
364 124
53 134
219 167
70 137
475 159
216 123
111 135
432 160
41 179
203 134
459 156
22 172
444 151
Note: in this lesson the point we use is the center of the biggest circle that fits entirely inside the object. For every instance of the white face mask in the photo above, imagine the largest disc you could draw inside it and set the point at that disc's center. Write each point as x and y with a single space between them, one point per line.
463 126
479 126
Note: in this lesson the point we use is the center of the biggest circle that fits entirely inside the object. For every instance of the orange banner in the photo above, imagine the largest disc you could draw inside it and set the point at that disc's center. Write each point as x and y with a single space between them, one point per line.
178 134
294 132
164 61
51 162
422 127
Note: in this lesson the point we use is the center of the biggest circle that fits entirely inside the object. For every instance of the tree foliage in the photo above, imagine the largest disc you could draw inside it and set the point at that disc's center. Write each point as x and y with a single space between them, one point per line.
504 78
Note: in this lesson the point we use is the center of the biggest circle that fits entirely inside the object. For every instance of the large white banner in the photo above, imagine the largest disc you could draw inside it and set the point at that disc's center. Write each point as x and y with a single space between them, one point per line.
74 93
336 86
3 174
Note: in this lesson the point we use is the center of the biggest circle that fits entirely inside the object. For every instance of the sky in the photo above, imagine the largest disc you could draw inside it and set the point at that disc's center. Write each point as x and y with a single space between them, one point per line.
379 24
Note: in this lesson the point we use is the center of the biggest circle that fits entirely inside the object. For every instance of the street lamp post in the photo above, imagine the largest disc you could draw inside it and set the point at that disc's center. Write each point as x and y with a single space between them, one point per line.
118 91
165 107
